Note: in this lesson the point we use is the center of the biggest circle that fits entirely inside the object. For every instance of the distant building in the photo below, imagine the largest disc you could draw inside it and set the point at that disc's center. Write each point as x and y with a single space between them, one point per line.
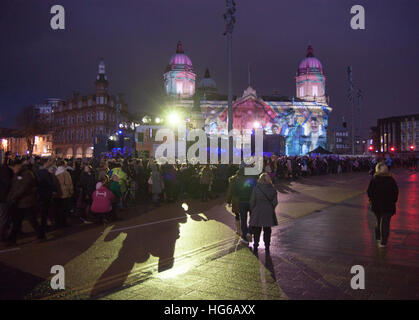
399 134
78 121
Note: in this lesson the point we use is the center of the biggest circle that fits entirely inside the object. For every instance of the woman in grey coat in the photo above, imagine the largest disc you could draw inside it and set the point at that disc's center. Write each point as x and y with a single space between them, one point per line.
157 185
262 208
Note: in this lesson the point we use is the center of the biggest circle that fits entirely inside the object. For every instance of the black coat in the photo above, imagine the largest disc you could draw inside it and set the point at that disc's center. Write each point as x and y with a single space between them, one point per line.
6 175
87 184
46 185
383 193
243 186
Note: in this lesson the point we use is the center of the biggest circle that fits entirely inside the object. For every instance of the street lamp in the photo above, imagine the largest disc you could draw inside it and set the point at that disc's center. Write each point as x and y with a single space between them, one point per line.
230 20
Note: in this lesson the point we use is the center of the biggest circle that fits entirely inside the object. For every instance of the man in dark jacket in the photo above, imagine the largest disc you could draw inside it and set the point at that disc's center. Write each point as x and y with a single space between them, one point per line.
242 189
22 200
383 194
87 186
6 175
46 189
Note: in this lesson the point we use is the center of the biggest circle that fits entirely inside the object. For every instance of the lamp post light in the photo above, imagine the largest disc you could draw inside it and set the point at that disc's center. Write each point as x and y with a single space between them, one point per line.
230 20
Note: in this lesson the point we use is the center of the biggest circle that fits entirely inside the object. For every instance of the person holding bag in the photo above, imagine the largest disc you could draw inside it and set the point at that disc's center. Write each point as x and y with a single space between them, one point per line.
262 207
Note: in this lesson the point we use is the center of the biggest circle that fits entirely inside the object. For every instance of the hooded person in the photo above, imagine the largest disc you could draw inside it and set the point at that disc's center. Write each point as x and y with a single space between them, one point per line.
262 206
383 194
102 199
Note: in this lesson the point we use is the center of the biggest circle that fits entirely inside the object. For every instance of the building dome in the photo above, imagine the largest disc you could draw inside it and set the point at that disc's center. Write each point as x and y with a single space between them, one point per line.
180 60
207 82
310 63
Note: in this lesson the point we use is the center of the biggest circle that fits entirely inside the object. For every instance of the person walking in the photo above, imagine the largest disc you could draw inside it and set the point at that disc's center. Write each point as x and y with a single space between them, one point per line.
22 201
383 193
262 206
242 189
64 195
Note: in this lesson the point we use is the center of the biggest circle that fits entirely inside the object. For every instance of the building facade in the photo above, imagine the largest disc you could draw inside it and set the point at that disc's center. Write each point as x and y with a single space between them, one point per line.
78 121
302 120
399 134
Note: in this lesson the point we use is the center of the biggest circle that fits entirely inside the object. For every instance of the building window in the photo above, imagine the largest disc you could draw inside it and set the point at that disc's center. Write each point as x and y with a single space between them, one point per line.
301 91
314 90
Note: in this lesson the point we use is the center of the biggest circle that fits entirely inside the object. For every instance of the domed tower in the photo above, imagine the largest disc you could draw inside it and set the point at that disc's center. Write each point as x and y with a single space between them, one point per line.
179 77
310 80
207 84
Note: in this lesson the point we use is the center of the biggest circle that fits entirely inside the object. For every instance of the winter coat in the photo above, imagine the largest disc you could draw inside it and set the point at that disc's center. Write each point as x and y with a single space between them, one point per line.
242 187
122 178
383 194
262 206
232 199
23 191
66 189
46 185
157 185
116 190
102 199
87 184
205 176
6 175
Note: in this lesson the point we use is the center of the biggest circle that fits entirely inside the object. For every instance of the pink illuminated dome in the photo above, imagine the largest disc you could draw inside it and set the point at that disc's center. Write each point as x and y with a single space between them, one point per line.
310 63
180 60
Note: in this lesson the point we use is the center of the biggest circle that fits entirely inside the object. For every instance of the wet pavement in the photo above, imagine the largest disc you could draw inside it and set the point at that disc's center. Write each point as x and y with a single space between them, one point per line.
169 253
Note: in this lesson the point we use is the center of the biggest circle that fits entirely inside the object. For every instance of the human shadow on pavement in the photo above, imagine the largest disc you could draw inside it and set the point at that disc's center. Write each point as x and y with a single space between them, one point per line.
153 239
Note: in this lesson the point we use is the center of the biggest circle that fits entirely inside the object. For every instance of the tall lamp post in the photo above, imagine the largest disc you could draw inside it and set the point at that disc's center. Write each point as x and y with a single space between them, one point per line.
351 101
230 20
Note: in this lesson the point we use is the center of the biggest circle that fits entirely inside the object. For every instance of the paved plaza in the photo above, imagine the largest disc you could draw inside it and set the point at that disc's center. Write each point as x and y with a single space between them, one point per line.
324 229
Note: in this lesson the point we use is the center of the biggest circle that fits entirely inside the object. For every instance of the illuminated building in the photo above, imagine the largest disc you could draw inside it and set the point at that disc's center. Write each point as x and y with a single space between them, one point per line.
302 120
80 120
179 77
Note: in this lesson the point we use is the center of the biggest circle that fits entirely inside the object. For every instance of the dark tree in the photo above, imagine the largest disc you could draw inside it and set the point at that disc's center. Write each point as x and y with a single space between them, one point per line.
28 126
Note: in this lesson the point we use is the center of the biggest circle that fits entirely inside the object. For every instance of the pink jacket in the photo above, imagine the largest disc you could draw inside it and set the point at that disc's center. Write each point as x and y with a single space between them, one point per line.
102 199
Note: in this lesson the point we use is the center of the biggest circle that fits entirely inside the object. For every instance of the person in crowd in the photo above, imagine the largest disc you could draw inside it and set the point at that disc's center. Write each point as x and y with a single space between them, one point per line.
205 179
242 188
6 175
64 194
157 184
122 178
102 199
22 201
46 189
116 190
383 193
262 207
87 186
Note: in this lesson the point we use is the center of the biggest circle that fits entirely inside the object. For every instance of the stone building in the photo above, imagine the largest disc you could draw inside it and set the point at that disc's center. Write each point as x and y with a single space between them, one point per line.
80 120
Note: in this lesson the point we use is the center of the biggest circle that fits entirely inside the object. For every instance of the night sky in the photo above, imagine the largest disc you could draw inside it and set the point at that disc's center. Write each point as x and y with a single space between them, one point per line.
138 37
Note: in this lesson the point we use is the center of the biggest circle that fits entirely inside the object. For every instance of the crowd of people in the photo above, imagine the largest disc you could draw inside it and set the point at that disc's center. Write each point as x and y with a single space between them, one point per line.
46 191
